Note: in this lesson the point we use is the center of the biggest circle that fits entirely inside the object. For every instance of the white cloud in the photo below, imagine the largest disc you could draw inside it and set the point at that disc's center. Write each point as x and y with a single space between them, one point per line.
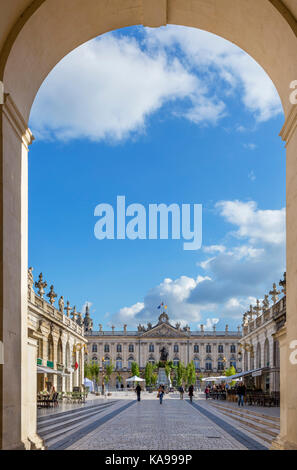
250 146
214 249
252 175
211 322
268 226
107 88
209 52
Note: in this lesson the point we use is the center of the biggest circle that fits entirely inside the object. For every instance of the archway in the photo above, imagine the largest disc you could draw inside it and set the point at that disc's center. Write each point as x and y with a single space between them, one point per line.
36 35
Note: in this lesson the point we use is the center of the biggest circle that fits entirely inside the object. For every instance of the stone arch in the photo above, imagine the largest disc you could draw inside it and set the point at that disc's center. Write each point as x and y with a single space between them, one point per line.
37 34
266 353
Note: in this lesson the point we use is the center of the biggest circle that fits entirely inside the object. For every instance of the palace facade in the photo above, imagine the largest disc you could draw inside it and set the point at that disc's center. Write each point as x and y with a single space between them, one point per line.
260 342
56 336
211 351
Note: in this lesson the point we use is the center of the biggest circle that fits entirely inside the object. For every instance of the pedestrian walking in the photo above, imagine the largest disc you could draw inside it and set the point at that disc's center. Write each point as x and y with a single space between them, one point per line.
206 391
181 392
191 392
161 391
138 392
241 394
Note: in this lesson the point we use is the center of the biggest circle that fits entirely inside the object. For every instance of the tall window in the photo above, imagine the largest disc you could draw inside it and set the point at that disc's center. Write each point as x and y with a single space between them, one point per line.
130 360
197 364
60 352
220 348
151 348
106 361
131 347
152 360
220 365
106 348
266 353
196 348
208 364
67 355
50 348
94 348
119 363
176 361
208 348
175 348
258 356
232 349
119 348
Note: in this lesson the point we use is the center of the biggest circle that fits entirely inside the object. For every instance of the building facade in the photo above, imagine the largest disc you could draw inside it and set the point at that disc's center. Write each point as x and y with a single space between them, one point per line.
260 345
58 336
211 351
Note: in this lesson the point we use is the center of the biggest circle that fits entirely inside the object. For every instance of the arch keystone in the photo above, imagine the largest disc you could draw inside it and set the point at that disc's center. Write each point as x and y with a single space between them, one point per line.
154 13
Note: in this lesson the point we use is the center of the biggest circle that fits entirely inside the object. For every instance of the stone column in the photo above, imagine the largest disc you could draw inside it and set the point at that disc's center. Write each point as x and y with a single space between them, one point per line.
288 369
15 387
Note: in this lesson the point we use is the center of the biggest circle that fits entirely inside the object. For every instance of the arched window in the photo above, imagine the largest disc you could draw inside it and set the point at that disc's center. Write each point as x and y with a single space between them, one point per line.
252 360
151 348
152 360
94 347
106 348
131 347
175 348
50 348
208 363
196 363
176 361
130 360
208 348
258 356
276 354
106 361
232 349
266 353
94 359
196 348
220 364
67 355
220 348
119 363
119 348
60 352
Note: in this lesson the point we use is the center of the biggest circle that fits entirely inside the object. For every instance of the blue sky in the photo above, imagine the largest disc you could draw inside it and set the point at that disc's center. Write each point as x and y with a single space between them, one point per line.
170 115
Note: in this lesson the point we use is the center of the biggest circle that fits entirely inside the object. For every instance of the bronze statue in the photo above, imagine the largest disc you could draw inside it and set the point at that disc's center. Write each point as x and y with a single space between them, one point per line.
164 354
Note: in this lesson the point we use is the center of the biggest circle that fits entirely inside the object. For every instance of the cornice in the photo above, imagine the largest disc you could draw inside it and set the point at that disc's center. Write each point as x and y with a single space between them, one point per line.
16 120
290 125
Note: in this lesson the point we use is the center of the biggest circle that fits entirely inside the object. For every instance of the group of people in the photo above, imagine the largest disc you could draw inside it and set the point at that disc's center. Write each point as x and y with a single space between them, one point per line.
218 388
161 392
190 392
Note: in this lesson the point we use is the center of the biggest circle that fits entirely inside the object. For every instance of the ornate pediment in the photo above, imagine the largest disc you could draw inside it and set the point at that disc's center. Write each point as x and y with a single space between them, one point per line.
164 331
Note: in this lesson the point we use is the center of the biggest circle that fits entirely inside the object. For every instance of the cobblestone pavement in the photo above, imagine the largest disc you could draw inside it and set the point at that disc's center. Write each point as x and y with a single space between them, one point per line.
147 425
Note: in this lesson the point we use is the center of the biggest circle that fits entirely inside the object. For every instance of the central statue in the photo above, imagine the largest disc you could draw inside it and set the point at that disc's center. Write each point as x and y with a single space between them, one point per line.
164 354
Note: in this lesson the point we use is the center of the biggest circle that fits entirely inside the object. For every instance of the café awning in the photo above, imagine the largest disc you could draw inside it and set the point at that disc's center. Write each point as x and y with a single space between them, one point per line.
230 378
48 370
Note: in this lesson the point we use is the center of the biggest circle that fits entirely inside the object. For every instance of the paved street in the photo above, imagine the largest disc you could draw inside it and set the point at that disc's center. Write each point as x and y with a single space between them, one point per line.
174 425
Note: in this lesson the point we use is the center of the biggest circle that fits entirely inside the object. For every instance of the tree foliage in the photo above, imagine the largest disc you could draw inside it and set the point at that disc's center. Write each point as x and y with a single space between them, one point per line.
135 369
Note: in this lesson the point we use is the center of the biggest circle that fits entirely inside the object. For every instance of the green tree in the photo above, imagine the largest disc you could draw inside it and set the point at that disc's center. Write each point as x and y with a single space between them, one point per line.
229 372
180 373
154 378
148 373
134 369
191 374
108 371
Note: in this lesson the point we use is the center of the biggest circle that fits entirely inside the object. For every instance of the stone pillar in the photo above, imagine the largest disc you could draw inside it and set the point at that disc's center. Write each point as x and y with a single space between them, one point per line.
15 387
288 369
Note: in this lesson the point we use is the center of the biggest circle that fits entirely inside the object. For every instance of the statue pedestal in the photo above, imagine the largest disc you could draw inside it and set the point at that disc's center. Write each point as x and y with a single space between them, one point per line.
162 377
